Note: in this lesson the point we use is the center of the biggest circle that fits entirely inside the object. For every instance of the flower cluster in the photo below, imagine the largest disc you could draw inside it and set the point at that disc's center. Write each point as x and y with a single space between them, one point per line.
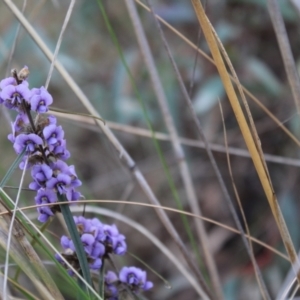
99 241
42 140
42 143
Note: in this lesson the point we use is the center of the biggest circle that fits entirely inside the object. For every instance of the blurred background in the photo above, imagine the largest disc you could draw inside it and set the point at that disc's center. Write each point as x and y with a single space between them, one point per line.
90 56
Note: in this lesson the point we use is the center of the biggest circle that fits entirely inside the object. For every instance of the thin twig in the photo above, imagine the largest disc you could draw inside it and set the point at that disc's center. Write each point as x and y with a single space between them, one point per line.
63 28
184 141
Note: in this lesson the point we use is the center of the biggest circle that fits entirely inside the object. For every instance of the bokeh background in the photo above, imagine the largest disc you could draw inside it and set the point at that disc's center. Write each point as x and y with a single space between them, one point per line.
90 56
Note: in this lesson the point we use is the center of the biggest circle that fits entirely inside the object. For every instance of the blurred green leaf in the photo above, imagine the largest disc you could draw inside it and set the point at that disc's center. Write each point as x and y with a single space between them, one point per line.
290 212
208 94
227 31
264 75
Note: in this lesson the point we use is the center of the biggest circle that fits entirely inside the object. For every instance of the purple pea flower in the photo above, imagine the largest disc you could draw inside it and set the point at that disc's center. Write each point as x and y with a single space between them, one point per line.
73 195
65 242
110 277
51 120
111 290
59 167
59 150
45 213
81 223
119 245
12 96
40 100
7 81
44 197
98 250
41 174
110 230
75 181
53 134
60 183
28 141
135 278
96 265
87 241
96 227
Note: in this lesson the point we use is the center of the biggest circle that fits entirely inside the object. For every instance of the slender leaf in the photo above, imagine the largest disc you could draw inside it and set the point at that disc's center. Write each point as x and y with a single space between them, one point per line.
12 168
81 255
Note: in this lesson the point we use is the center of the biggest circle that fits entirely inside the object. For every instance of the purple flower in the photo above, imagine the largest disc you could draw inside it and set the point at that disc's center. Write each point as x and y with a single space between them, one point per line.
87 241
110 277
81 223
41 174
18 126
45 196
60 183
45 213
7 81
75 181
13 95
98 250
29 163
28 141
109 232
40 100
111 291
52 119
59 167
119 245
59 150
135 278
65 242
53 134
73 195
96 265
21 122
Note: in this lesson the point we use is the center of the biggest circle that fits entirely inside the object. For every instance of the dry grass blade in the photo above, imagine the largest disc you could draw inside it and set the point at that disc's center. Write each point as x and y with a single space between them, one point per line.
286 51
259 278
178 150
257 159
